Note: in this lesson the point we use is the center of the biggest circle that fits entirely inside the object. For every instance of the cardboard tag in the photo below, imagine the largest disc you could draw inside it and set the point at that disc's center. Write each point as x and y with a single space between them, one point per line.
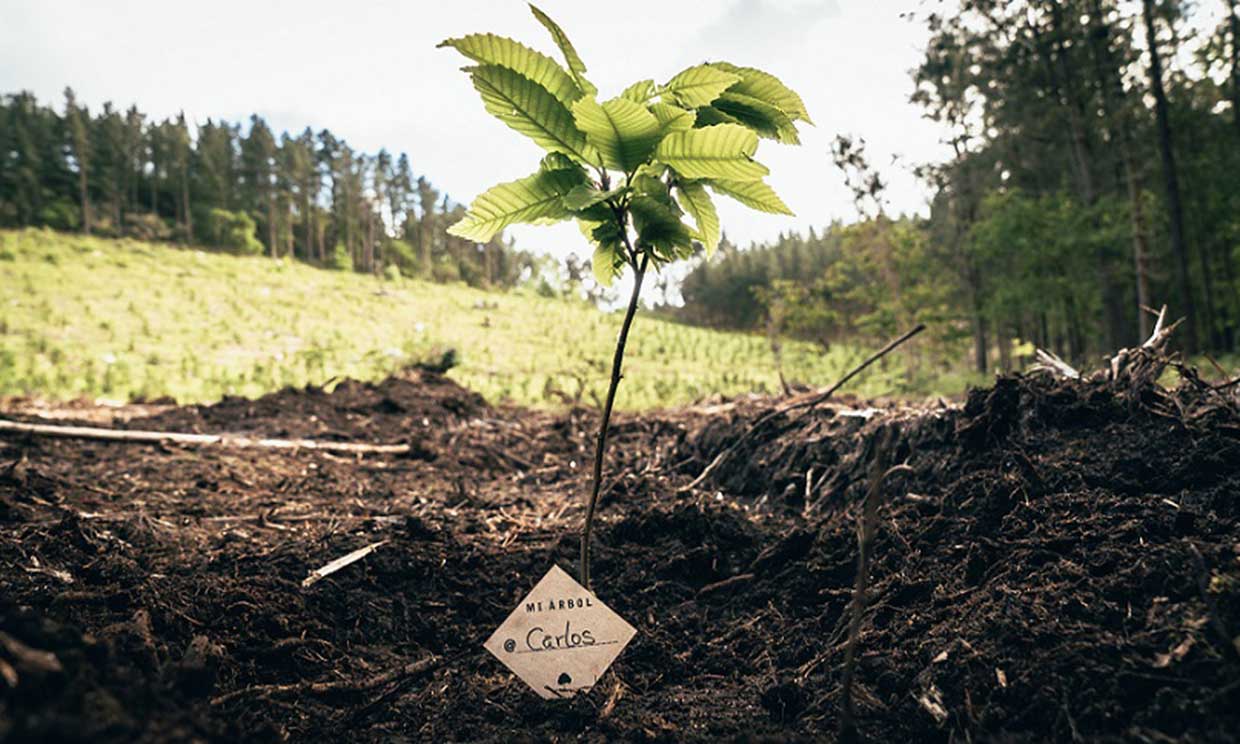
561 638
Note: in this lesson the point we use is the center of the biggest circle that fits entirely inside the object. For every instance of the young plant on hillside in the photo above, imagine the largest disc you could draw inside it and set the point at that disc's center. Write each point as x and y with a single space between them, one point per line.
627 169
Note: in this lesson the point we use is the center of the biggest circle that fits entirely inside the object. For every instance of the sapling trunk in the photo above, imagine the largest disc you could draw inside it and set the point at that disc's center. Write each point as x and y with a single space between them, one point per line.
651 139
601 445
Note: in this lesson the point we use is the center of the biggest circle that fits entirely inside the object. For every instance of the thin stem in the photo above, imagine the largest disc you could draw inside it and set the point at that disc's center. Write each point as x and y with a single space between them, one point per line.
600 447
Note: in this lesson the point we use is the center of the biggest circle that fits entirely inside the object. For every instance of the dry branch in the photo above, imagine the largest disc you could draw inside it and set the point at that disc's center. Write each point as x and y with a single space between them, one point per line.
807 403
319 574
411 669
223 440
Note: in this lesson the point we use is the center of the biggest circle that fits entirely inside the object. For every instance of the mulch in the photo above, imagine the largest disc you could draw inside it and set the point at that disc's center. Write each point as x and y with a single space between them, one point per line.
1062 563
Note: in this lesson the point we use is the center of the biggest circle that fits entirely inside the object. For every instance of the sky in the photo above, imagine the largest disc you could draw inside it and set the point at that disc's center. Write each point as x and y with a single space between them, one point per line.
370 72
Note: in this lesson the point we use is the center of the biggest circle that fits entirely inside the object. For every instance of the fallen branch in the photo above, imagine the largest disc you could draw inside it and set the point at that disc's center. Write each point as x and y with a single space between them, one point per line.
412 669
810 402
319 574
865 538
224 440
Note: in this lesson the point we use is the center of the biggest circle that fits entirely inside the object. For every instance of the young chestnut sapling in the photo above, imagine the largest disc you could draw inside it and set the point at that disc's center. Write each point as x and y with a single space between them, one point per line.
627 169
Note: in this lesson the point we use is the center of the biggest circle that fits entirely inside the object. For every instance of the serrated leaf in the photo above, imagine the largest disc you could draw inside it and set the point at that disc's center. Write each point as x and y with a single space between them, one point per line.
607 263
530 199
648 183
652 169
672 118
623 132
698 86
554 161
720 151
766 87
753 194
490 49
585 196
765 119
696 201
528 108
708 116
576 67
639 92
659 228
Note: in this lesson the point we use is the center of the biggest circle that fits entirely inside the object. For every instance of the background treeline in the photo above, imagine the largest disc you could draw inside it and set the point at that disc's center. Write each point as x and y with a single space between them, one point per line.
1095 170
242 189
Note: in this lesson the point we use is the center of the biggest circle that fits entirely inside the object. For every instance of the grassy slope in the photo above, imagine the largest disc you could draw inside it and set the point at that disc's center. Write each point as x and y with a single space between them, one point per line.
117 319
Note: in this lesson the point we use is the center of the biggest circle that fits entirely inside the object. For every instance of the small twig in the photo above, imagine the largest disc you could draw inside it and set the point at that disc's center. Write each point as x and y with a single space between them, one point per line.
411 669
126 435
865 536
806 403
319 574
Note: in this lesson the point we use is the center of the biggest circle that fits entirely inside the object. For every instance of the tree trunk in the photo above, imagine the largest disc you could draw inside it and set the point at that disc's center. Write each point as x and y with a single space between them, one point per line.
1234 22
1063 83
306 215
85 196
639 273
1140 251
979 328
1175 208
189 220
271 222
1115 110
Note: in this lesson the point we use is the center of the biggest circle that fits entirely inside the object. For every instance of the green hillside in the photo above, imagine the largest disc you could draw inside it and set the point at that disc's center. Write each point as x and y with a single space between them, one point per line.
122 319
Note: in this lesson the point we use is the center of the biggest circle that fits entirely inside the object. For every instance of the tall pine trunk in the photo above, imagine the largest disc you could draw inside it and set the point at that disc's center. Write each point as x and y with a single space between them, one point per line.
1175 209
1112 86
1234 22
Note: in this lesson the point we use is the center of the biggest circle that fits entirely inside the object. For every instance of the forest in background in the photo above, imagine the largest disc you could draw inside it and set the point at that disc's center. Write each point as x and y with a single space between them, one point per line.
1094 172
247 190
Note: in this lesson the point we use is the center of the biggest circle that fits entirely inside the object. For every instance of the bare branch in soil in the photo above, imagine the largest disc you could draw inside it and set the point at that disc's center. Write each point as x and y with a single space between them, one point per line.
865 537
808 403
411 669
319 574
223 440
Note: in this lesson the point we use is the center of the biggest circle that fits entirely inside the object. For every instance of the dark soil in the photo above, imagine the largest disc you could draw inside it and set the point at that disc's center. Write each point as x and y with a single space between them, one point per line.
1063 563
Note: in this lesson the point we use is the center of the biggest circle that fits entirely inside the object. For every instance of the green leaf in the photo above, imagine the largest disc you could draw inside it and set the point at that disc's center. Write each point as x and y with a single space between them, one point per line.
698 86
696 201
659 228
490 49
753 194
608 263
555 161
719 151
609 260
767 120
624 132
671 118
528 108
534 198
647 183
639 92
576 67
766 87
585 196
708 116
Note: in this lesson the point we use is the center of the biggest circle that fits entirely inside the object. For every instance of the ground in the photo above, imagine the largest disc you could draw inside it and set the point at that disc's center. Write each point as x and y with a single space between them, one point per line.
1061 563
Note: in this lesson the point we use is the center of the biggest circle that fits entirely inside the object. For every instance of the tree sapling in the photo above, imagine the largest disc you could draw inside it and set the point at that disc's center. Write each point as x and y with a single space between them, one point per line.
627 169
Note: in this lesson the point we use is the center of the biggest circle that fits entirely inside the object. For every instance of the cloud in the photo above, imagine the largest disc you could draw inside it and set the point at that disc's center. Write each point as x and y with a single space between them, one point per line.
758 27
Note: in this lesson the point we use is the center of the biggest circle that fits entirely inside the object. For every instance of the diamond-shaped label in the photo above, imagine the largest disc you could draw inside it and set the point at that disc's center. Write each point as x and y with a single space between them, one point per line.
561 638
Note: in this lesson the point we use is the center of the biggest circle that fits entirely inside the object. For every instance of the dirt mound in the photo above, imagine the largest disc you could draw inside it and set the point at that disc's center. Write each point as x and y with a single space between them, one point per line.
1062 562
352 410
